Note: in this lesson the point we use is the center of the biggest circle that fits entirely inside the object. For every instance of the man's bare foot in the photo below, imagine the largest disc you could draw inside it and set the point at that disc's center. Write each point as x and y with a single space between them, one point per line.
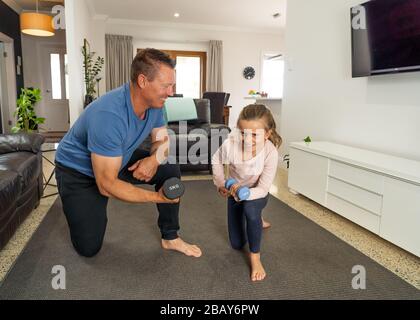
266 224
257 269
180 245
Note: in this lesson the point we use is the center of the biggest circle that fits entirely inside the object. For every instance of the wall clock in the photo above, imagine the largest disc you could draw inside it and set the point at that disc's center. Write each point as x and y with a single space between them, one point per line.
249 73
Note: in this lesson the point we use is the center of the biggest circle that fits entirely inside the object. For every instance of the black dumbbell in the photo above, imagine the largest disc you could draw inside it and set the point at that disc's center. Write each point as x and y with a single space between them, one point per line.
173 188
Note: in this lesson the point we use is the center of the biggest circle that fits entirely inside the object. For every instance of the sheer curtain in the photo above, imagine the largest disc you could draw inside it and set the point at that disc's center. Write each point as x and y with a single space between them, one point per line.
119 55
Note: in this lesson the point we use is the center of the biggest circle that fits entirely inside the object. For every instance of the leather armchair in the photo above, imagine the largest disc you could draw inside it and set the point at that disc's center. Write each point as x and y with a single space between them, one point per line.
218 100
21 185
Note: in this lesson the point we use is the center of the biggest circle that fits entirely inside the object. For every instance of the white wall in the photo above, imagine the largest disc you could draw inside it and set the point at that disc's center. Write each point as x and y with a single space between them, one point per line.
322 100
79 26
241 48
33 73
97 44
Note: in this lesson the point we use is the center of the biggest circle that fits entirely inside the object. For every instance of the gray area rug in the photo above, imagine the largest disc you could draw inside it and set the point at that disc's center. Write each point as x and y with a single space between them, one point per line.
303 261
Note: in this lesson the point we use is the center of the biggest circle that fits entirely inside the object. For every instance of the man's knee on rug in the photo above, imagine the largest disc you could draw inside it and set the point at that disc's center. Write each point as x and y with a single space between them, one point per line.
87 249
165 172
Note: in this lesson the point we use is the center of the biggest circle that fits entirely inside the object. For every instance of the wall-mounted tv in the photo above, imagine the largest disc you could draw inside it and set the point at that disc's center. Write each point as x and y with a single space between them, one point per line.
385 37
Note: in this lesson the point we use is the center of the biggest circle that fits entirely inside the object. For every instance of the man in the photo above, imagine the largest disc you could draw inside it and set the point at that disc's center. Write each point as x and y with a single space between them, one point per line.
99 157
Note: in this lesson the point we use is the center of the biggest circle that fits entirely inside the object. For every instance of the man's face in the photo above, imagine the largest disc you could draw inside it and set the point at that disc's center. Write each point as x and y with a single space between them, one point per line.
157 91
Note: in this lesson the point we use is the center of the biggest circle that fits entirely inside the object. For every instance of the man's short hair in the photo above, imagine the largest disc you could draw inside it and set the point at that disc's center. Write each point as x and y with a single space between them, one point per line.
147 62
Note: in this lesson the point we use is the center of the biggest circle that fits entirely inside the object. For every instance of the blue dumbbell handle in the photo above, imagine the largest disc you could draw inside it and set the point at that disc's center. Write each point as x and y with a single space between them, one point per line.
242 193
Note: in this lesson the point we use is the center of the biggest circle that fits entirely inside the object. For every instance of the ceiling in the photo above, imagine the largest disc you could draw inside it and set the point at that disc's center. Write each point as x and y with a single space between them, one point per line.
221 13
229 13
43 5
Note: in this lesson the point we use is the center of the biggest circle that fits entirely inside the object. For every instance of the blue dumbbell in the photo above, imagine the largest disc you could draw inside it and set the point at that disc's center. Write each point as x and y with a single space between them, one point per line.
242 193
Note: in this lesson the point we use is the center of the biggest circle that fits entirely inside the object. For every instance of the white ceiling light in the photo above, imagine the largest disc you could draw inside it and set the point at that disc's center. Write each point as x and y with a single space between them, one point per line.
176 15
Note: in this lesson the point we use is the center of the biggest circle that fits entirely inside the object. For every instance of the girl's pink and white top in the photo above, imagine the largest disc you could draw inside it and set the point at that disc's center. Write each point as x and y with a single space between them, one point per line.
257 173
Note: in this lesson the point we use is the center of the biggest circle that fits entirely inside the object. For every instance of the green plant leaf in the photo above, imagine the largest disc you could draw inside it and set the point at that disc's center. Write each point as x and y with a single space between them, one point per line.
25 111
307 139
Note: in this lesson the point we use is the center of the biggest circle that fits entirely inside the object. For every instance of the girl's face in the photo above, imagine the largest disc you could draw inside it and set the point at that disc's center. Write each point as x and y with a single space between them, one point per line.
253 133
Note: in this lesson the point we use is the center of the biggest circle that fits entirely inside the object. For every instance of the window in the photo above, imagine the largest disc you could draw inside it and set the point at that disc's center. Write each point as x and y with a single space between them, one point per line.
272 74
58 64
55 75
188 76
190 72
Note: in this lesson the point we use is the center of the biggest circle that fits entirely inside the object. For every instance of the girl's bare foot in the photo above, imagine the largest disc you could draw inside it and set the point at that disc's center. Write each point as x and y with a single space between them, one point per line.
266 224
257 269
180 245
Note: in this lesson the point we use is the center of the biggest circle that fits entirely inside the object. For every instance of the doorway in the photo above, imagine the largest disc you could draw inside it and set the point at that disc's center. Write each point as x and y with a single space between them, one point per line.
54 88
7 84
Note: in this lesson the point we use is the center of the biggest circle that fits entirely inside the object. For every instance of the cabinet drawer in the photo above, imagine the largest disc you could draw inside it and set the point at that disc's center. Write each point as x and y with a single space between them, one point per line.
360 197
358 215
356 176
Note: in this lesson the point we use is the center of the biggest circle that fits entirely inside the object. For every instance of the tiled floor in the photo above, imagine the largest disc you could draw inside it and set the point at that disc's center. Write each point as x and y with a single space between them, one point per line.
404 264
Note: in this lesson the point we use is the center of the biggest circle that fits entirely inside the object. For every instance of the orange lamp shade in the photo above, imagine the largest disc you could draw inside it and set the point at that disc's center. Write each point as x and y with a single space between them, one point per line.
36 24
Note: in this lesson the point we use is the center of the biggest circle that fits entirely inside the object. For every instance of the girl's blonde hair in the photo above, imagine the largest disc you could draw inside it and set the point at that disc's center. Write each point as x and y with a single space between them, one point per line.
261 112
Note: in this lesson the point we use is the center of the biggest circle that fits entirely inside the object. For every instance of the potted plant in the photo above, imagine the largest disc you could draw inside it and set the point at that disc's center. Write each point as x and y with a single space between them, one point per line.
307 140
27 121
92 69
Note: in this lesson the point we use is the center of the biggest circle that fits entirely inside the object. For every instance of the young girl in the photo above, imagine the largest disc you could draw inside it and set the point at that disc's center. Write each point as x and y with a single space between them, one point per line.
252 156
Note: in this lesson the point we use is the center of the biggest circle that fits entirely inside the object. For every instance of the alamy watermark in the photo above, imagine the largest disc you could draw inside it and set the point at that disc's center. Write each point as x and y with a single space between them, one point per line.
359 280
59 19
58 281
358 21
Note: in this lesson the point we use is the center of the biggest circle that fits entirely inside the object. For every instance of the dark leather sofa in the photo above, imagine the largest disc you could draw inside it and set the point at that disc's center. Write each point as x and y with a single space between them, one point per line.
21 185
186 140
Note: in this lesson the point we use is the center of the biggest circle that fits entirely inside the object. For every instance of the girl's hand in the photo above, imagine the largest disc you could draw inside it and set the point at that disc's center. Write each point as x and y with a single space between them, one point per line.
233 190
223 191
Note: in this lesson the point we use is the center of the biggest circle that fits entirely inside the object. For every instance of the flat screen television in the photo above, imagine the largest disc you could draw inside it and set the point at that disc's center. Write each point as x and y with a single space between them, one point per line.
385 37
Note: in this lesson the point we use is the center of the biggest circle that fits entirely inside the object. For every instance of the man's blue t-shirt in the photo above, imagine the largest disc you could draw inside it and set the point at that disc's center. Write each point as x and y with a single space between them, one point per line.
107 127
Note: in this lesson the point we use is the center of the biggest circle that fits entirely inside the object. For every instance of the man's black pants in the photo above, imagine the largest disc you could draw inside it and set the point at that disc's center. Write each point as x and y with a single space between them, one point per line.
85 208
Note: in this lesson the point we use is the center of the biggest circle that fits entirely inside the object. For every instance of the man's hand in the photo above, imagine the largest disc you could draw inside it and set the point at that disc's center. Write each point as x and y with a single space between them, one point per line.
163 199
145 169
106 174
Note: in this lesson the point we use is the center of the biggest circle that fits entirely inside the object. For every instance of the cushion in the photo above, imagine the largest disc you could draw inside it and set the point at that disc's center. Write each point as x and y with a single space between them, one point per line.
30 142
179 109
25 164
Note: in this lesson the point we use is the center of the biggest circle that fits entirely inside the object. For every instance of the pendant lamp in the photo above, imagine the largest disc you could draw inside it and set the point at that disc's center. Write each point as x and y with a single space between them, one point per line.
36 24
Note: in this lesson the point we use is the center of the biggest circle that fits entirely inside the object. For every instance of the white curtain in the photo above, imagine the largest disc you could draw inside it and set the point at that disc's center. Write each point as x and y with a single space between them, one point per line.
119 55
215 83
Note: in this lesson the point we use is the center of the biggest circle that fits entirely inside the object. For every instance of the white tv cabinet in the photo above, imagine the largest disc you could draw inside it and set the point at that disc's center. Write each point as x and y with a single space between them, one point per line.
379 192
